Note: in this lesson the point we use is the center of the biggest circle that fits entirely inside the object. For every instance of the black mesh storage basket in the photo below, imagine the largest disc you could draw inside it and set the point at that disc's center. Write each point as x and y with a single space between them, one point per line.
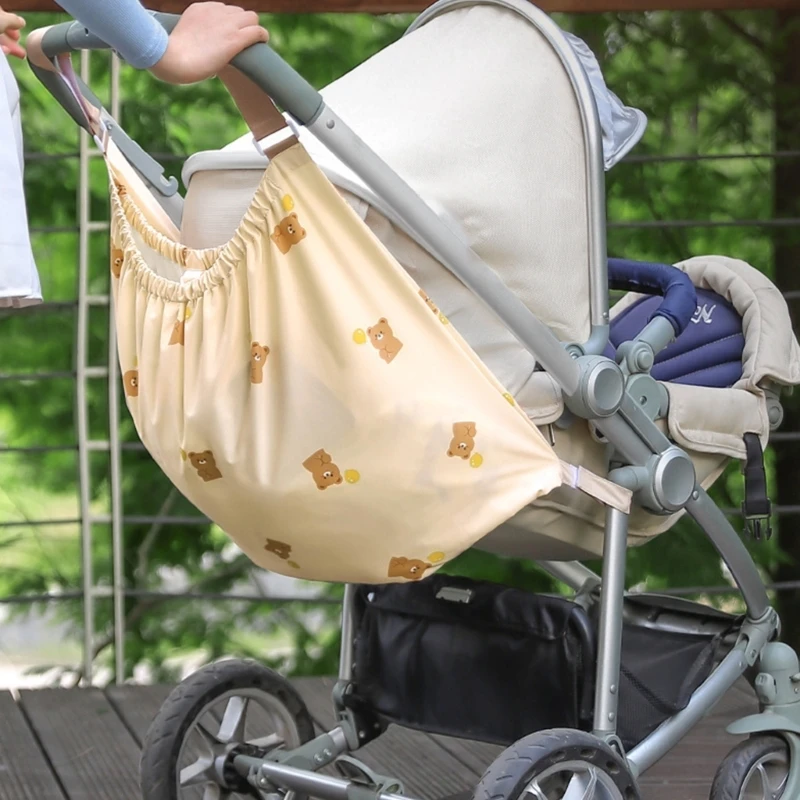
482 661
475 660
661 668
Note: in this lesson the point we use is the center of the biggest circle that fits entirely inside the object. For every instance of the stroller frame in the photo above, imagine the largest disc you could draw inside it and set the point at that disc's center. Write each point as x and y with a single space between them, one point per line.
660 474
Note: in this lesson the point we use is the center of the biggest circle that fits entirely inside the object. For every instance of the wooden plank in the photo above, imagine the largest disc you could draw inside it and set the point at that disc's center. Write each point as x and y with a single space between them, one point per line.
91 750
477 756
25 773
317 694
427 770
400 6
137 706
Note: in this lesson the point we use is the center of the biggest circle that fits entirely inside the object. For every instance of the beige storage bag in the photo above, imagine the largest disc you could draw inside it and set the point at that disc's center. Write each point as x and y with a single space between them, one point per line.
301 390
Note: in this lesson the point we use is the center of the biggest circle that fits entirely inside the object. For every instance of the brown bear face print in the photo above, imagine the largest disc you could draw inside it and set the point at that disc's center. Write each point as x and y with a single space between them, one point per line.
258 357
205 465
428 302
131 382
280 549
117 258
463 442
411 568
178 330
384 341
323 470
288 233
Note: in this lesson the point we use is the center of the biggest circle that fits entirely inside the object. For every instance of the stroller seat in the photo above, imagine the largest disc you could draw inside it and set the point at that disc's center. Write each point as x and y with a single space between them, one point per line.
718 375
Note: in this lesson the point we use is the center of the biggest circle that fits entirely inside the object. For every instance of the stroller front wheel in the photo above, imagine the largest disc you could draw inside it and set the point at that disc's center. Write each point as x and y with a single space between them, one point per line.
756 769
225 708
556 764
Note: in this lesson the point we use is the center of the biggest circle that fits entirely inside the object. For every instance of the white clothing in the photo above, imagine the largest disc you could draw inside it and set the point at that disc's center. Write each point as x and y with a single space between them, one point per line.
19 278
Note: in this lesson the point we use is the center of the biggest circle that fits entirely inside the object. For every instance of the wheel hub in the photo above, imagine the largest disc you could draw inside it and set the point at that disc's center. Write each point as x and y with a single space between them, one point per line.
231 779
215 768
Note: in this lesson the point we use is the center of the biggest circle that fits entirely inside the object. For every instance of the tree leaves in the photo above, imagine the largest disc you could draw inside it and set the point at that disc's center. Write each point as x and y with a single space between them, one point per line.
705 82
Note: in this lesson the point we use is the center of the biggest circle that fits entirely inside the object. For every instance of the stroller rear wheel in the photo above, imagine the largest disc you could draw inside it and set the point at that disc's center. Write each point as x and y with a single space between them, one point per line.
222 710
756 769
556 764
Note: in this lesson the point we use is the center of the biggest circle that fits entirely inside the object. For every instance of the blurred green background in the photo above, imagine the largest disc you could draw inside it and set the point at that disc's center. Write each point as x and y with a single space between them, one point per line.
716 85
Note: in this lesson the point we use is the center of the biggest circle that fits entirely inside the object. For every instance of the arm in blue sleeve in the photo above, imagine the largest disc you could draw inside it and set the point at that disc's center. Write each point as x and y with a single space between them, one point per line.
125 25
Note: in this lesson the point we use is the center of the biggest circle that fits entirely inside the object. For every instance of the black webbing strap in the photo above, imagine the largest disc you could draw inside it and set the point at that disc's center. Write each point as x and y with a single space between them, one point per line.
756 507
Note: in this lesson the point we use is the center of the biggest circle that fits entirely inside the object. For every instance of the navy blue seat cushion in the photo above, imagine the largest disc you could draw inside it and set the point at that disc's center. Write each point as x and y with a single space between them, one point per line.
707 353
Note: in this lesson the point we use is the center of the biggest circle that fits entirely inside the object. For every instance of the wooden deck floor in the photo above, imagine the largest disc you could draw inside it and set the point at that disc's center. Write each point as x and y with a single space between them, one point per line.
83 744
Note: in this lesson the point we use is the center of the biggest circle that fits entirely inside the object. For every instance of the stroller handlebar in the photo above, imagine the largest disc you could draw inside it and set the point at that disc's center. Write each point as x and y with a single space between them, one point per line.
259 62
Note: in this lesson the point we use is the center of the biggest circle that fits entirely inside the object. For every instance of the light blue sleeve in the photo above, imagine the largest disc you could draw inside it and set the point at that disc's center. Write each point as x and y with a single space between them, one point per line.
125 25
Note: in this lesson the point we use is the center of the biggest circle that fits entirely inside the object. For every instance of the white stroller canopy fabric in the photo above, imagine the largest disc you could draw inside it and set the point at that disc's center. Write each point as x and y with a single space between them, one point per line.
476 111
622 127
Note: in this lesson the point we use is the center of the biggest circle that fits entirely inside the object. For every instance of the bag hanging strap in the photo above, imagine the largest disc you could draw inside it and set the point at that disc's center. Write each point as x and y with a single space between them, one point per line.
257 110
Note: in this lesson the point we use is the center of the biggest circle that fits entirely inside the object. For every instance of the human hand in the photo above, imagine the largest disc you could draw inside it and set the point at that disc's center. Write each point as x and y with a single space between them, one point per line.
10 26
206 38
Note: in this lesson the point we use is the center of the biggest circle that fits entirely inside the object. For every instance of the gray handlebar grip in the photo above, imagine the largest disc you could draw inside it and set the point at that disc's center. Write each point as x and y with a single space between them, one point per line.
258 62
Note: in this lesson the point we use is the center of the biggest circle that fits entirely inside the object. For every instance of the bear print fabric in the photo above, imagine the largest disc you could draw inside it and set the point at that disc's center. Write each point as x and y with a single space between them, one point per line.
306 396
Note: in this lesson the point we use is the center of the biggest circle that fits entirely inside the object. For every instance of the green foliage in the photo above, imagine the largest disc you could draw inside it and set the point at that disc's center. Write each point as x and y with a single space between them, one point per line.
704 80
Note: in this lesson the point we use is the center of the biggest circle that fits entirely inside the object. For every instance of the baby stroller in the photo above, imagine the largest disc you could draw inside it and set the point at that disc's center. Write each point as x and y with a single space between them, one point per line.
308 364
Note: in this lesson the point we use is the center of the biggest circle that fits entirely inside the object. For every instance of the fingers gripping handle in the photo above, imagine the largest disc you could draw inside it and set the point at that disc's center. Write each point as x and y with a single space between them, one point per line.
259 62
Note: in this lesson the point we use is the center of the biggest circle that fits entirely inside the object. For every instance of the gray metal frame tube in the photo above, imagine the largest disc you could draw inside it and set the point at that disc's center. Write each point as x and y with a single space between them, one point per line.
669 733
593 151
612 594
346 655
705 512
84 472
115 454
625 439
259 62
304 781
459 259
572 573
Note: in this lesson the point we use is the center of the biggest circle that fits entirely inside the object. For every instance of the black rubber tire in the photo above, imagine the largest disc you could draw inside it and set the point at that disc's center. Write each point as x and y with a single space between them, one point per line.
514 769
729 780
162 744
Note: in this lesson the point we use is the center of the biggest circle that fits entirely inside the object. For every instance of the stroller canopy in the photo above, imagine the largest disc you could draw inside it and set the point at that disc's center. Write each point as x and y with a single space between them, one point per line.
475 110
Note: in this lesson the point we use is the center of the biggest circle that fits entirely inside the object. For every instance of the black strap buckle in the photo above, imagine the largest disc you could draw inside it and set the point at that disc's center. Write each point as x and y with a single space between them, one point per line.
756 508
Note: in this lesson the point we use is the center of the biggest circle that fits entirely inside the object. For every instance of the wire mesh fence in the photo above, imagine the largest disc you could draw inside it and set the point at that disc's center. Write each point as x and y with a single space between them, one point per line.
83 444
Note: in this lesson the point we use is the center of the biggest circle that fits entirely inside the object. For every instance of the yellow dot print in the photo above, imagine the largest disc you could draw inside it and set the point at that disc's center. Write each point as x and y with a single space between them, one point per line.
359 337
436 557
293 564
352 475
135 363
509 398
288 202
183 455
443 319
476 460
188 312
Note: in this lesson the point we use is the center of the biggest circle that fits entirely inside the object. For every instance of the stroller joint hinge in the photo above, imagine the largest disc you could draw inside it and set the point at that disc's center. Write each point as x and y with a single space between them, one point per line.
755 635
365 784
358 723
